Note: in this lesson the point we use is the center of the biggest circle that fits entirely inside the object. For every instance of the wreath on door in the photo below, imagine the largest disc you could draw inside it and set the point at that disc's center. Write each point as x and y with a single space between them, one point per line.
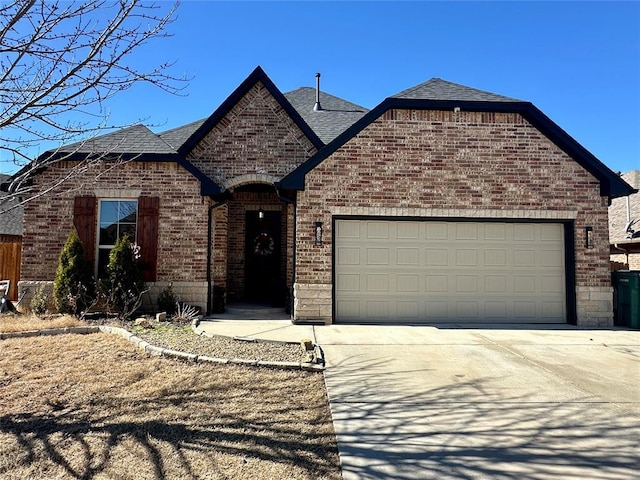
263 245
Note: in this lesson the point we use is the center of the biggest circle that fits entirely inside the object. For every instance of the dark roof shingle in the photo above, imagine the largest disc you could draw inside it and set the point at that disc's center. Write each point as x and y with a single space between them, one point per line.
135 139
438 89
10 218
335 117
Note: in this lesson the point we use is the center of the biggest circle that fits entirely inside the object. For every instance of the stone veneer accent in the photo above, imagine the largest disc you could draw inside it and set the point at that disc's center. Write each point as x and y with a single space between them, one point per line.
595 306
312 302
426 163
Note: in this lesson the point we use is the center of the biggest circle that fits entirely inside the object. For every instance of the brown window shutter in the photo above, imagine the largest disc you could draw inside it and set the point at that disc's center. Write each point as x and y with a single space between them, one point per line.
148 209
84 219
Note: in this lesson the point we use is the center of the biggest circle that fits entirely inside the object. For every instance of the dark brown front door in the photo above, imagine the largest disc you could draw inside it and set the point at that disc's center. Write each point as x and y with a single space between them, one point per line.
262 257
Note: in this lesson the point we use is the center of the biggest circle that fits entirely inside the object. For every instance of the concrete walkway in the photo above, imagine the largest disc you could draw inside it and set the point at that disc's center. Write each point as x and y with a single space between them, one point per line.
447 402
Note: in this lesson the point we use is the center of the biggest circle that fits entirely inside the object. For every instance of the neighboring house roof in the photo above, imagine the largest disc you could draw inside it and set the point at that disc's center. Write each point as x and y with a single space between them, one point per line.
438 89
335 116
10 220
422 96
624 225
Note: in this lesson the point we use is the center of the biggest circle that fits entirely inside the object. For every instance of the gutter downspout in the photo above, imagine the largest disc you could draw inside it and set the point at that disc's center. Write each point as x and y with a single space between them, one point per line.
209 237
291 201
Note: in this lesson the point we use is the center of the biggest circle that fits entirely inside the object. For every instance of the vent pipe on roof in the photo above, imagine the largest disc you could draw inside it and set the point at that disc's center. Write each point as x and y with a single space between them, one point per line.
317 106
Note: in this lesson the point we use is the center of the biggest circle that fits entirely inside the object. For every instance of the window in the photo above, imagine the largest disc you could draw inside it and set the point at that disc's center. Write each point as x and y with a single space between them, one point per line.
116 218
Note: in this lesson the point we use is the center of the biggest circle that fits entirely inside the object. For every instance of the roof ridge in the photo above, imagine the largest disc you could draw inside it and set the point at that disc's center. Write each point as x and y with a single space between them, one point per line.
438 89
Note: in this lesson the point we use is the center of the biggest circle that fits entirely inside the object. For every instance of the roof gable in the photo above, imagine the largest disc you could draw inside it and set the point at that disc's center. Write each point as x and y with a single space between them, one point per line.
258 75
610 183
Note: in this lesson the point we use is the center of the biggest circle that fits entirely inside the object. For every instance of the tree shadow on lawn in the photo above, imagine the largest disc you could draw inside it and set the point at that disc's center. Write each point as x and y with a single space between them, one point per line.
47 438
206 421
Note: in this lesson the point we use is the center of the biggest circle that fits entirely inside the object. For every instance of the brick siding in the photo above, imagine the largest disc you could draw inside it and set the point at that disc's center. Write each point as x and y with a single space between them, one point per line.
466 164
182 236
255 136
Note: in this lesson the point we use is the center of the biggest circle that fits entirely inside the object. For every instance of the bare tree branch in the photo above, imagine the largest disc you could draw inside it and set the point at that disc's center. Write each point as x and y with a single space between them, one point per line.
60 62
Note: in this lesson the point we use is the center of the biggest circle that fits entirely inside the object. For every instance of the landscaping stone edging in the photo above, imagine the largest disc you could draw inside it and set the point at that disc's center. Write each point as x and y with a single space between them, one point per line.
165 352
318 354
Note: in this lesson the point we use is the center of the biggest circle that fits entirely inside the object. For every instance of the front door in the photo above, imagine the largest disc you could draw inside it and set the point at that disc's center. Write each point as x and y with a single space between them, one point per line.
262 257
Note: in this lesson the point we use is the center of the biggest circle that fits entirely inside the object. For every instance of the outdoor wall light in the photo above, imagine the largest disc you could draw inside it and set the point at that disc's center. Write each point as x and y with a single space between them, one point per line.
317 233
588 237
260 214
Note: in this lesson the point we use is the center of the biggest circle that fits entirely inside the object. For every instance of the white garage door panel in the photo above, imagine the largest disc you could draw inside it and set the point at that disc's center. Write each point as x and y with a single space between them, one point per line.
408 271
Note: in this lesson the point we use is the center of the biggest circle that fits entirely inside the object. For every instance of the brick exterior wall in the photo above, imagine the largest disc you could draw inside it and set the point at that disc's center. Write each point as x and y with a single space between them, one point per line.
255 136
182 235
444 164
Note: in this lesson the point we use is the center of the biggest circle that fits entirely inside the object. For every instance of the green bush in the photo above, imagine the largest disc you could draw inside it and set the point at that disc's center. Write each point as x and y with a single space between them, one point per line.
39 300
167 300
124 285
73 287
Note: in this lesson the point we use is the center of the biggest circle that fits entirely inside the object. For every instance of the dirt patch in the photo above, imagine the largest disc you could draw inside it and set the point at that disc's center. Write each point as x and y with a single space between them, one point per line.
93 406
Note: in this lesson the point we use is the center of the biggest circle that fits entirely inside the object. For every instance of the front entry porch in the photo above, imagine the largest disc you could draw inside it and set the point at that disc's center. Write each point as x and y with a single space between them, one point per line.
252 247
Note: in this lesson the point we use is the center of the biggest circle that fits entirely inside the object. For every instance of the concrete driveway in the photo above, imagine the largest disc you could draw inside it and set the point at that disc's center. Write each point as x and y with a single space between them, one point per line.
497 403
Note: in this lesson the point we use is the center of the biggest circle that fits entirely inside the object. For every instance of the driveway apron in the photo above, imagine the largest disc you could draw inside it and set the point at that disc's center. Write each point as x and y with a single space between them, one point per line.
422 402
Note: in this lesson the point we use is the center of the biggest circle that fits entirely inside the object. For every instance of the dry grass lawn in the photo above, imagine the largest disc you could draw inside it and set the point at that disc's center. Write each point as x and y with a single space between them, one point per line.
22 323
93 406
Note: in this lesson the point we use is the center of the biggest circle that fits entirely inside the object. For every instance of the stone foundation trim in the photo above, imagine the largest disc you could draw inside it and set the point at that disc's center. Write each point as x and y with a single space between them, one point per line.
192 293
313 303
456 213
594 306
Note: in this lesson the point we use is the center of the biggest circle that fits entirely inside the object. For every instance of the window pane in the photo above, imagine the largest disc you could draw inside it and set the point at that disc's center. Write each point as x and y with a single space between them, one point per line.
129 230
108 233
128 212
108 211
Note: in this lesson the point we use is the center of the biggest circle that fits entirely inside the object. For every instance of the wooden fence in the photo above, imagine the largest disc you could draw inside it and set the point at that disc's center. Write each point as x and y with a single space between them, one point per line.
10 257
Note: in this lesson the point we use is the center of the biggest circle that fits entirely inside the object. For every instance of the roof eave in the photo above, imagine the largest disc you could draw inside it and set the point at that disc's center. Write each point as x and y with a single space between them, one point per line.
611 185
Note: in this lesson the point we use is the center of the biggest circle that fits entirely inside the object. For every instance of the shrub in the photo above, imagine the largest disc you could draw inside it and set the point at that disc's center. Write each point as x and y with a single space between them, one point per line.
124 285
185 313
39 300
167 300
73 287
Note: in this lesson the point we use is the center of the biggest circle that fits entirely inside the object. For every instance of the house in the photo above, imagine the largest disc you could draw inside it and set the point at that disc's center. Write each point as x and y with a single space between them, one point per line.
624 226
442 204
10 240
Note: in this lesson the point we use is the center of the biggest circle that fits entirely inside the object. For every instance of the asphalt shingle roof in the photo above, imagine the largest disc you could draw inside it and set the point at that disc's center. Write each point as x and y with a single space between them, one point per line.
335 117
618 213
11 220
438 89
135 139
177 136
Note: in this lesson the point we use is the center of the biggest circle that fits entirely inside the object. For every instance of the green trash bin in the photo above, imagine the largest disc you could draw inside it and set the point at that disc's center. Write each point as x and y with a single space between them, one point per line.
626 286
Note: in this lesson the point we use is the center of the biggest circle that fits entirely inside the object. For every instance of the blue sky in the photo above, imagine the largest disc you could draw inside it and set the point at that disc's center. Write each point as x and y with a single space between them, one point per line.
579 62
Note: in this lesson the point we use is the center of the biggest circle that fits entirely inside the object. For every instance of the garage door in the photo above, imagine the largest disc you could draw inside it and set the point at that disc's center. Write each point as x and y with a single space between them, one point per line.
432 272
